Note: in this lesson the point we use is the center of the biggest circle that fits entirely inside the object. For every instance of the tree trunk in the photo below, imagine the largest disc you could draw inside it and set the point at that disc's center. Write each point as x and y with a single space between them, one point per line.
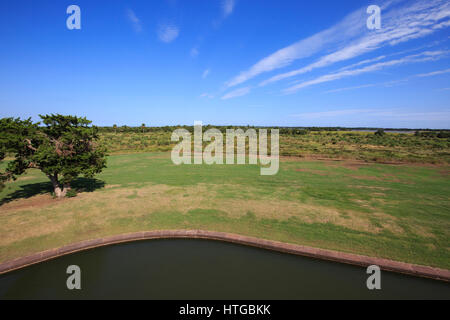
66 188
59 192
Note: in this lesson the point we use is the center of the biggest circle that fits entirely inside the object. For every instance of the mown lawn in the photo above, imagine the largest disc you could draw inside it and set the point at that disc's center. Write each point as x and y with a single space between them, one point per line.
401 212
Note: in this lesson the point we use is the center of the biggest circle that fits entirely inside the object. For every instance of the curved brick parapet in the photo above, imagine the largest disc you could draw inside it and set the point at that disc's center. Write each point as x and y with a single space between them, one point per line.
359 260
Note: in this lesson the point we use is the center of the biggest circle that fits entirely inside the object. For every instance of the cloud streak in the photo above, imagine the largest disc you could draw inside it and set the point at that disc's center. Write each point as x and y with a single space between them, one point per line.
135 21
194 52
434 73
334 113
421 57
377 114
410 20
369 85
347 28
391 83
205 73
236 93
207 95
227 7
167 32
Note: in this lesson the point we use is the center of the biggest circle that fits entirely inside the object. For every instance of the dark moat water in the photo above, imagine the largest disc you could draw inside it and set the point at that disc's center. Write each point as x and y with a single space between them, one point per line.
202 269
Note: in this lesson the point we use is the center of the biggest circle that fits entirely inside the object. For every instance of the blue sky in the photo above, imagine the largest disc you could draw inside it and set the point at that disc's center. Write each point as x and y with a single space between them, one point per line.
283 63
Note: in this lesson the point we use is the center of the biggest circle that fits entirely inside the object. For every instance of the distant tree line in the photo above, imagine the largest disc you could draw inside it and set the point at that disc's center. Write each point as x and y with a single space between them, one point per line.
283 130
443 134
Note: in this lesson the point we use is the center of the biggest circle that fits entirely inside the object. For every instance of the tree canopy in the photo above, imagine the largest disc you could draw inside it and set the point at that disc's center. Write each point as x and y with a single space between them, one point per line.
15 134
63 148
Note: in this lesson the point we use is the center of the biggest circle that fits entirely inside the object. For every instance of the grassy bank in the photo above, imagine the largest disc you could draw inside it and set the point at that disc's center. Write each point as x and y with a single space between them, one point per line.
401 212
391 147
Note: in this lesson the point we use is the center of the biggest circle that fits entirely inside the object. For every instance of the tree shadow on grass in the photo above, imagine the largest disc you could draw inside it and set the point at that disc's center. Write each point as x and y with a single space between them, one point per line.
87 184
34 189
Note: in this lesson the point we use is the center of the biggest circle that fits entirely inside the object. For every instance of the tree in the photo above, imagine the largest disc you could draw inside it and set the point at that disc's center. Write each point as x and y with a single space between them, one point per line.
143 127
3 176
63 149
15 134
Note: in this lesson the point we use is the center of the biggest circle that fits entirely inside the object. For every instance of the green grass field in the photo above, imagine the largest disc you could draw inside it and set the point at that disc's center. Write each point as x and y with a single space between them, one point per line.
392 147
400 212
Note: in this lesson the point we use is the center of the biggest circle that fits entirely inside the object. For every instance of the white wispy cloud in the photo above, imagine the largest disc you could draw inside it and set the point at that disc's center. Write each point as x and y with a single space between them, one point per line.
434 73
398 114
194 52
207 95
410 20
349 27
205 73
369 85
167 32
334 113
414 116
421 57
236 93
363 62
392 82
135 21
227 7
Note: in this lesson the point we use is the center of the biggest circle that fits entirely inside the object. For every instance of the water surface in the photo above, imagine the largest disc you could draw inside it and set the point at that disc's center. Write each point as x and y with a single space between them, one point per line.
203 269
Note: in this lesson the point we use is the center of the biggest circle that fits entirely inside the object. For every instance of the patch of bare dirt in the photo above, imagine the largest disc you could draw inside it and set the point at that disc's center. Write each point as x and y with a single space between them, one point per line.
370 187
444 173
353 165
319 172
356 164
386 178
110 186
38 201
372 178
25 178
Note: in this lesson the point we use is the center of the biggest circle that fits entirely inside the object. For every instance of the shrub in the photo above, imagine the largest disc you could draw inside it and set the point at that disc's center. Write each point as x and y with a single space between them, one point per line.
71 193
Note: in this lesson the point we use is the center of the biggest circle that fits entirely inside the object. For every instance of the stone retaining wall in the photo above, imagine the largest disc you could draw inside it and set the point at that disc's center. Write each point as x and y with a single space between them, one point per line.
363 261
